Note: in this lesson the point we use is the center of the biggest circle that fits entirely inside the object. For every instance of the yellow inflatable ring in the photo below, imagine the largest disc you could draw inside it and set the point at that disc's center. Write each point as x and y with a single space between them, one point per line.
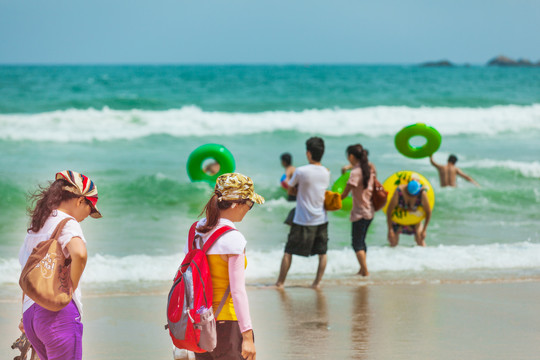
403 137
209 151
401 216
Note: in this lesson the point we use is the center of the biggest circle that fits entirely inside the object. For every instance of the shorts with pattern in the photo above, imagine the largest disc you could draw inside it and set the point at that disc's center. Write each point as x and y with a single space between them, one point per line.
404 229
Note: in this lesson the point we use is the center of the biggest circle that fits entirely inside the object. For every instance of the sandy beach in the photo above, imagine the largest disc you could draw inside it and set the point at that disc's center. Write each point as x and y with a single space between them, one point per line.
400 321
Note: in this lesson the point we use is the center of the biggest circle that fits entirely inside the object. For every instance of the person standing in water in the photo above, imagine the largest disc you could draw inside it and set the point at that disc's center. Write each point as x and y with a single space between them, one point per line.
448 173
286 162
360 184
408 197
309 230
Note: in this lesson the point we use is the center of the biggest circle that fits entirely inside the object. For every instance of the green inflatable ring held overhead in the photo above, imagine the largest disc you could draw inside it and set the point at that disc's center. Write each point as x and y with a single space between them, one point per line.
339 187
209 151
404 136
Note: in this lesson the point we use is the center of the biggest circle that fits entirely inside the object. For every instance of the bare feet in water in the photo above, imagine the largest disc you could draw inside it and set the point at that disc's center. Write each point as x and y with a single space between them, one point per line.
363 272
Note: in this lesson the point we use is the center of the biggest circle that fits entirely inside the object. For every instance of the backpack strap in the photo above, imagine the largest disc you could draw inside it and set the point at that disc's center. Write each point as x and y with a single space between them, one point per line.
219 232
58 230
216 235
213 238
222 302
191 235
207 245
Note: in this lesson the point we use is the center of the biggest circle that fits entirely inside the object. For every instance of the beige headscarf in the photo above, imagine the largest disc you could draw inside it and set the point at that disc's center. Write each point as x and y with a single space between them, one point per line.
235 186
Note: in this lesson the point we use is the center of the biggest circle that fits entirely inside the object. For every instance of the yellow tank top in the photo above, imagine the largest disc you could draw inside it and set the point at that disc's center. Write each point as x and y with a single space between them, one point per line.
219 270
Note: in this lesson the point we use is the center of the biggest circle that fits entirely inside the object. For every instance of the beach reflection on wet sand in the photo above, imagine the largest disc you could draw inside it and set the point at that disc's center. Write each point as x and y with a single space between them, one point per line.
364 321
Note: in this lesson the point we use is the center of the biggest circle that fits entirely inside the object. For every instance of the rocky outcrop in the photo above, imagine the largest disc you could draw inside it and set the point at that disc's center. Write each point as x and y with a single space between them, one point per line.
506 61
440 63
501 60
524 62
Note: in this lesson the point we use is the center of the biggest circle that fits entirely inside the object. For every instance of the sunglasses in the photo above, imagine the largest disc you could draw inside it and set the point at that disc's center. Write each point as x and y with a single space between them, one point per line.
91 205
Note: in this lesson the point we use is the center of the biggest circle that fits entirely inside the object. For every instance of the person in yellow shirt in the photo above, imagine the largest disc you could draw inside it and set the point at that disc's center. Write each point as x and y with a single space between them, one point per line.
233 197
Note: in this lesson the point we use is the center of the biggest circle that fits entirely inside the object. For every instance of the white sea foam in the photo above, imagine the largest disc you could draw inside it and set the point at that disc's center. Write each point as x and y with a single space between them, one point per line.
280 204
528 169
107 270
107 124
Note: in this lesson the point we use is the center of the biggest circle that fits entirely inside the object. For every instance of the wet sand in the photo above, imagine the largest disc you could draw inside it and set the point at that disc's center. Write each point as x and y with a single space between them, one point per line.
400 321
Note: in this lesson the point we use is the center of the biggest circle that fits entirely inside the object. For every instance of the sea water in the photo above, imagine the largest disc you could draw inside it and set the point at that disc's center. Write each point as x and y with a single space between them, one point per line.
132 128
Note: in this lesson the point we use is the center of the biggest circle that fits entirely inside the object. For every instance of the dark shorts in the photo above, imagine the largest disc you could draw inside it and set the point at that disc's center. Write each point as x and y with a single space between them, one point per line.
307 240
404 229
229 343
290 217
359 231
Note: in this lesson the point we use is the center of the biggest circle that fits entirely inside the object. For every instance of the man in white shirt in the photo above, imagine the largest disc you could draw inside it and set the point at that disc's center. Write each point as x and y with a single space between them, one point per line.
309 231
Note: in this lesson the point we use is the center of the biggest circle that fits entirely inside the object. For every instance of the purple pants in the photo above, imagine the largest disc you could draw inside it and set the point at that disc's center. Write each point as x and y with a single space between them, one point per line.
55 335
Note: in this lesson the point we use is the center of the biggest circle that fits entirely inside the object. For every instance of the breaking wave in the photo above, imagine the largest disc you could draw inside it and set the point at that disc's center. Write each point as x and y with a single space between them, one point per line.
107 124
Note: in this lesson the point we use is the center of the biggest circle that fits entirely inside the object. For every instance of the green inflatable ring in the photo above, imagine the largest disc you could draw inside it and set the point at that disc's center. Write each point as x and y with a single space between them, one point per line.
339 186
404 135
209 151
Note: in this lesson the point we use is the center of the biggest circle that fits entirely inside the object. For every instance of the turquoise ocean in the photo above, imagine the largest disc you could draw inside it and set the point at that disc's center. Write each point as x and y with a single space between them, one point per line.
132 128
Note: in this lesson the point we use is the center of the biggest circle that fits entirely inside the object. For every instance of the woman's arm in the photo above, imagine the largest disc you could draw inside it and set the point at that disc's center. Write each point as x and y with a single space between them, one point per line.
237 282
427 209
77 251
346 168
346 192
21 325
391 206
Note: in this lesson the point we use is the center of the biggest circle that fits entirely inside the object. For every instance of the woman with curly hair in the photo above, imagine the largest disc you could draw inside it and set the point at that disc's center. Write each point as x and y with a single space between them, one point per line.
73 196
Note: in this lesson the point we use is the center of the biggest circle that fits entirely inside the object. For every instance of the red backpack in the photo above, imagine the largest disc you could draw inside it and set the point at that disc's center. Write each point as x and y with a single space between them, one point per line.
190 318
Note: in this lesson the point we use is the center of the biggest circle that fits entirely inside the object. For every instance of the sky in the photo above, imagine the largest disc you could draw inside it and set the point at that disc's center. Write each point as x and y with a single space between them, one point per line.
266 32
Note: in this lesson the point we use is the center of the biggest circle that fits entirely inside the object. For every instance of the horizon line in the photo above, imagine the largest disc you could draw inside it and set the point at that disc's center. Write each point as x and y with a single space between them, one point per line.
307 64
